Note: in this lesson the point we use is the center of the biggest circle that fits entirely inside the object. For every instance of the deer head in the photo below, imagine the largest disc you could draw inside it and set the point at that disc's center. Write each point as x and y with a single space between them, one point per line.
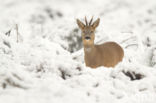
88 31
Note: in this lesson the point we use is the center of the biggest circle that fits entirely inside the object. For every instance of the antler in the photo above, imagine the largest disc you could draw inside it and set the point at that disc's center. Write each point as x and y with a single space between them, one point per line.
86 21
91 21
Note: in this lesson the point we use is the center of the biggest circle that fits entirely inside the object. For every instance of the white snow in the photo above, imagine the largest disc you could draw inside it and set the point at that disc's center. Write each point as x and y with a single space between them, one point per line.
46 65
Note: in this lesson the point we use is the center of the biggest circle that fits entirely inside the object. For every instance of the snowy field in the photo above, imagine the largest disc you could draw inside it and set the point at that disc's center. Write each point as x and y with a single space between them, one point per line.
41 54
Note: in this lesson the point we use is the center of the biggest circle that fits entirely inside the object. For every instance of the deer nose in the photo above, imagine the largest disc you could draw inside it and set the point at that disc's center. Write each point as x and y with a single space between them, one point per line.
87 38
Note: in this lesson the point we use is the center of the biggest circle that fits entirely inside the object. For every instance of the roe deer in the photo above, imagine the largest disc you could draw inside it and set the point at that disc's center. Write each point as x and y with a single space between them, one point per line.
107 54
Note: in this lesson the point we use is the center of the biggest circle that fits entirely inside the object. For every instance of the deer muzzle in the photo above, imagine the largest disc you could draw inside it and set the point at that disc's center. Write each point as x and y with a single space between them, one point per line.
87 38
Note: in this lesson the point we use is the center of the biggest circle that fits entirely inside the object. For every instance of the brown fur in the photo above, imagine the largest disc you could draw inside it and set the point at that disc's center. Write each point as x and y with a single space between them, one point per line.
108 54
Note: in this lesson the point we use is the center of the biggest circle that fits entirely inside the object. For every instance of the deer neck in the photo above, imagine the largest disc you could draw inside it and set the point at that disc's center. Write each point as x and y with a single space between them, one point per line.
90 55
88 49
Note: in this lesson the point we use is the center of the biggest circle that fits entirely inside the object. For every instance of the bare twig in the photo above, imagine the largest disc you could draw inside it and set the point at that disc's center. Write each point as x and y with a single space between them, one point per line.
132 37
131 45
17 40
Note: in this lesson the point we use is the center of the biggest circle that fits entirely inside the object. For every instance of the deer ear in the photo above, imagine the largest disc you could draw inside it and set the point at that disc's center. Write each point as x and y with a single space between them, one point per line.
96 23
80 24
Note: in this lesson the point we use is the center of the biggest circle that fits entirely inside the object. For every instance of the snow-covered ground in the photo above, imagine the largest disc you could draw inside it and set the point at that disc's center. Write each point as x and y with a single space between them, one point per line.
41 54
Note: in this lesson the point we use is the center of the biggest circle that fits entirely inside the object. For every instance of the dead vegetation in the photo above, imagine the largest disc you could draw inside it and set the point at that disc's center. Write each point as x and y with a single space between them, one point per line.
133 76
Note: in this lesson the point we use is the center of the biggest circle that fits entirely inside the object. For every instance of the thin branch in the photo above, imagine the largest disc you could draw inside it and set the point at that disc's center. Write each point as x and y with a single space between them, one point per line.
131 45
132 37
17 40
